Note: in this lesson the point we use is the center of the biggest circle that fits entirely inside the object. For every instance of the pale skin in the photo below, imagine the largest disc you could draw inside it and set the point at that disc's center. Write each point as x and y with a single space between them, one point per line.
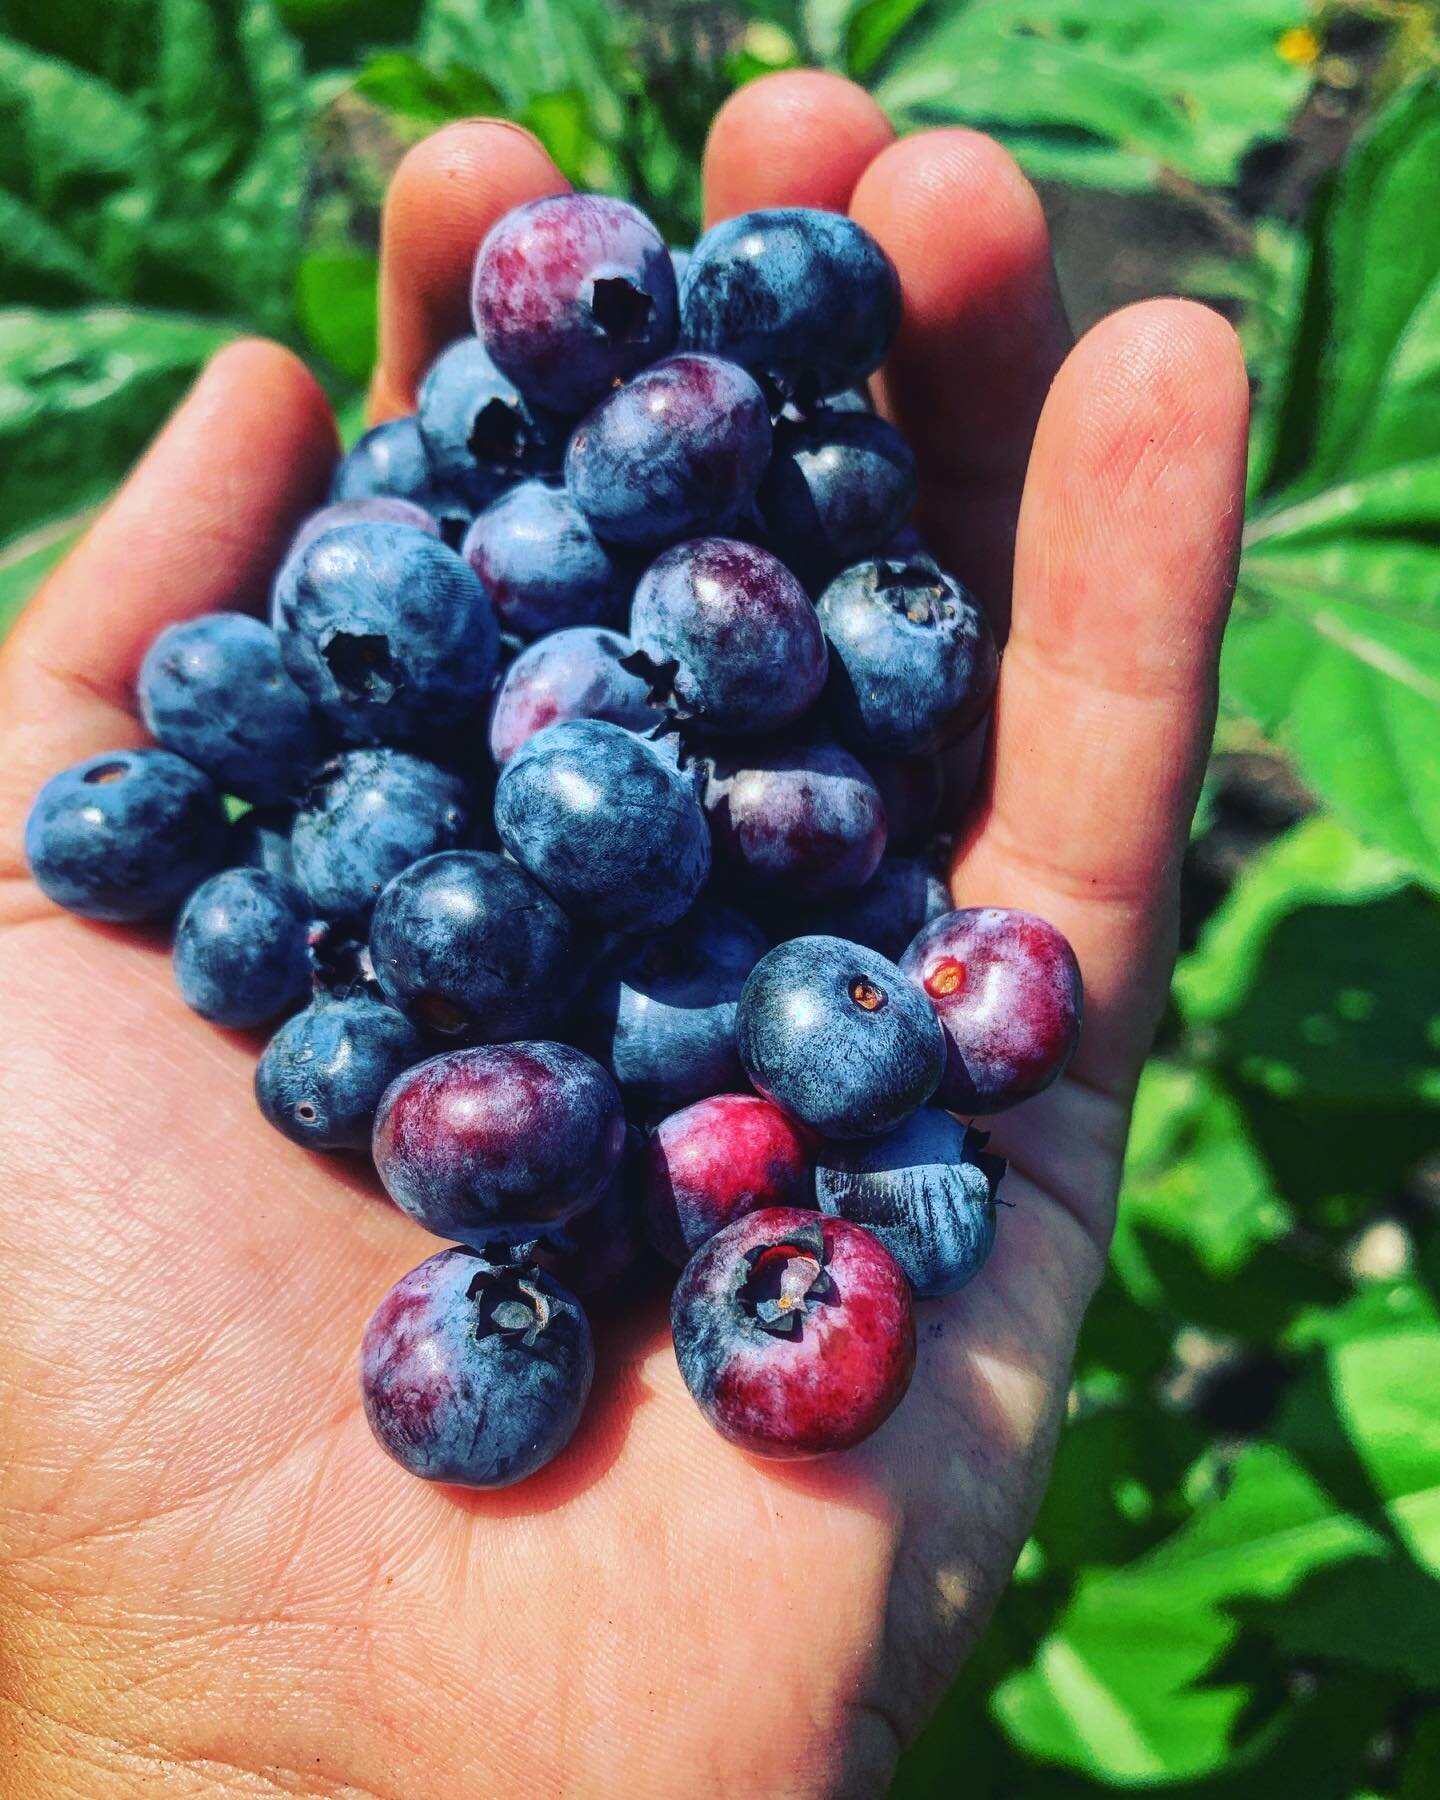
211 1580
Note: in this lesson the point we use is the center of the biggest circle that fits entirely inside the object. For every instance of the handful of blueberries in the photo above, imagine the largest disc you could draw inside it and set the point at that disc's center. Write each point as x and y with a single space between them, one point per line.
614 666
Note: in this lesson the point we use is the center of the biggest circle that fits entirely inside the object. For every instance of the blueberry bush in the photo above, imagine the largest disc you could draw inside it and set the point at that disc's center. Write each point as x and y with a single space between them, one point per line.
1234 1586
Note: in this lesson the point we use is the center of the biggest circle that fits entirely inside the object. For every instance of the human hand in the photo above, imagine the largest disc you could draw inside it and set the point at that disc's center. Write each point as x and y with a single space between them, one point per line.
210 1578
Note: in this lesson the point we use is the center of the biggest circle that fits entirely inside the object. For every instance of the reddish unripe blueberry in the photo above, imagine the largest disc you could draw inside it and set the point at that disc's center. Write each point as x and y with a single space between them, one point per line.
1006 988
711 1163
794 1333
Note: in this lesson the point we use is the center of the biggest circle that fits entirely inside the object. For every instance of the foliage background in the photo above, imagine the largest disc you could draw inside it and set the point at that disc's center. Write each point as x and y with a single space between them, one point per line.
1234 1587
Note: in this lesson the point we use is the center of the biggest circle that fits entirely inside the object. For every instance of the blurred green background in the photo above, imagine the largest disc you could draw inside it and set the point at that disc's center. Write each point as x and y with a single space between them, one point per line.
1234 1586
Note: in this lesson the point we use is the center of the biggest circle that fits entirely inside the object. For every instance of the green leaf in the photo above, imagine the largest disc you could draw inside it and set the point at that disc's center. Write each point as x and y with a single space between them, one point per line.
1102 90
335 300
80 394
402 84
1305 980
1335 644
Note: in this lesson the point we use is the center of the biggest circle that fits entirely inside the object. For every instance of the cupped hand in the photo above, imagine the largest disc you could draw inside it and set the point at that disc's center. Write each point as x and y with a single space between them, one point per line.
210 1578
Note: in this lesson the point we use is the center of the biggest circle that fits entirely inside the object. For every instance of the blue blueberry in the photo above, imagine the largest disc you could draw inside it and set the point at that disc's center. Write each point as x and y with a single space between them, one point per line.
728 637
125 835
390 463
575 674
386 508
499 1143
389 632
571 294
473 949
241 950
368 815
474 1372
795 820
478 433
542 565
323 1073
838 487
913 661
806 297
677 451
607 822
215 691
838 1037
661 1010
927 1191
902 895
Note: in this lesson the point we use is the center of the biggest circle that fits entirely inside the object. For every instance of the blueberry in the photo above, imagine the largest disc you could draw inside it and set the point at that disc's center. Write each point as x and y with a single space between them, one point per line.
797 820
324 1071
241 948
260 839
215 691
712 1162
794 1333
478 433
1006 988
542 565
475 1373
837 489
679 450
836 1035
606 822
912 657
499 1143
804 296
901 896
471 948
728 636
387 509
389 632
926 1190
125 835
389 459
661 1011
571 294
368 815
574 674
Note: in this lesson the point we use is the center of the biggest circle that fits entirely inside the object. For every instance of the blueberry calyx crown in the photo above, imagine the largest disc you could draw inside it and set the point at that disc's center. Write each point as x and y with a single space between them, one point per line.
916 588
362 665
498 434
785 1281
507 1305
620 309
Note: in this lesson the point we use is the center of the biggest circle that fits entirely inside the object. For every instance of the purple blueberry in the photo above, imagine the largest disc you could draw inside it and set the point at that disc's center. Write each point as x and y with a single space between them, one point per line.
727 637
607 822
241 952
677 451
542 565
471 948
125 835
1006 988
806 297
574 674
368 815
836 1035
473 1372
478 433
795 820
926 1190
323 1073
389 632
215 691
571 294
711 1163
499 1143
902 895
388 460
661 1011
913 661
794 1333
836 490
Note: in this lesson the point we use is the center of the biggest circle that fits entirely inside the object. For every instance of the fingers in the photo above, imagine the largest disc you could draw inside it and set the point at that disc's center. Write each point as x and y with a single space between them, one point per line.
982 336
446 195
199 525
1124 568
800 138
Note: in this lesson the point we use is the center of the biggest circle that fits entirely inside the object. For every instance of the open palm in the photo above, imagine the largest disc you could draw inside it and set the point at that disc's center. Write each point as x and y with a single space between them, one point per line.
210 1579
